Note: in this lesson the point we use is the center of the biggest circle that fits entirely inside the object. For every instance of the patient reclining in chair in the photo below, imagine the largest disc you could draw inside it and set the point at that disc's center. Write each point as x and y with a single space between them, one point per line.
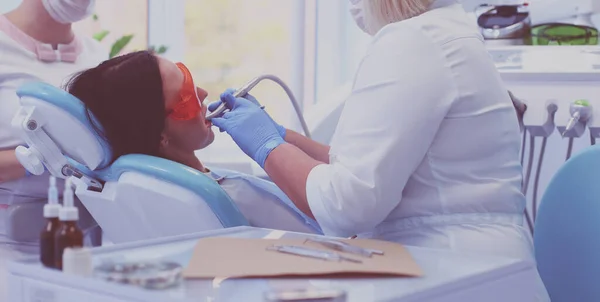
148 105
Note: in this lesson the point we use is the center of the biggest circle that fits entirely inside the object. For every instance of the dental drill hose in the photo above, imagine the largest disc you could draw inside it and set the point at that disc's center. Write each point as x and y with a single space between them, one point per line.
537 178
523 145
526 181
521 108
241 92
570 147
552 109
529 164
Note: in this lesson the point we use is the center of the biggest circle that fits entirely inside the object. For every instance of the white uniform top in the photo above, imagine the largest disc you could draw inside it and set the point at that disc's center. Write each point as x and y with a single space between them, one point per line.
426 152
20 65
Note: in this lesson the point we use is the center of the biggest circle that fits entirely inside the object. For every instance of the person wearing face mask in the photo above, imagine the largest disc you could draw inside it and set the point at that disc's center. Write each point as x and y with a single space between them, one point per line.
426 151
37 43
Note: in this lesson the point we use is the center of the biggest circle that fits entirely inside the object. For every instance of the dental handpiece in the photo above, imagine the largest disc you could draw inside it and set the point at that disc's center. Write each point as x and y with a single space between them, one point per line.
242 91
572 121
581 111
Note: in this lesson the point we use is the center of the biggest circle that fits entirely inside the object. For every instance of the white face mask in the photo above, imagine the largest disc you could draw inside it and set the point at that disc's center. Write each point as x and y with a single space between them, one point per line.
69 11
358 13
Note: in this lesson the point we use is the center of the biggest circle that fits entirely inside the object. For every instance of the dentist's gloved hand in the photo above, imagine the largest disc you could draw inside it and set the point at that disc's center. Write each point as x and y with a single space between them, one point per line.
250 127
213 106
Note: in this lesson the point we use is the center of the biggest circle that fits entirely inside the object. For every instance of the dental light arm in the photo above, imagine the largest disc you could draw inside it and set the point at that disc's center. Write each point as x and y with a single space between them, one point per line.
242 91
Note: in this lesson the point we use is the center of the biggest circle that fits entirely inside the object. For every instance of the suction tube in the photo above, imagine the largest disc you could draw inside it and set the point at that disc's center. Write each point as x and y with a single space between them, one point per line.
536 181
570 148
527 179
523 146
241 92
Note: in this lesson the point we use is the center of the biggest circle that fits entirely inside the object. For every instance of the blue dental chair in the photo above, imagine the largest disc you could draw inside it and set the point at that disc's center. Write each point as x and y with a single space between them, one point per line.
135 198
567 230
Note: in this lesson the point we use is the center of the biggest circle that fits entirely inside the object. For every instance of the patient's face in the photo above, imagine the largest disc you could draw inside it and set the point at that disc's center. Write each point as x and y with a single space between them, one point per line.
189 135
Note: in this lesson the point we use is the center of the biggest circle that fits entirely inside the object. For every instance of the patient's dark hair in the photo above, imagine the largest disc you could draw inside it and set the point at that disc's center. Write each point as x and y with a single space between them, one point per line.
125 95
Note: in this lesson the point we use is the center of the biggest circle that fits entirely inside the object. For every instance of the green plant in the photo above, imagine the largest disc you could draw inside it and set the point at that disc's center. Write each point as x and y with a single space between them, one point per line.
122 42
118 46
101 35
161 49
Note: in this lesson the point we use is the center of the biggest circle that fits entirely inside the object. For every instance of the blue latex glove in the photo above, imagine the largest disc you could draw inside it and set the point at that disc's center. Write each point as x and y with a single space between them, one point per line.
250 127
213 106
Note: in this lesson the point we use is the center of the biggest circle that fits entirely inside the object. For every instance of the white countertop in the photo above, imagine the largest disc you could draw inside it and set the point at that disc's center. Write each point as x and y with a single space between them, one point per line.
448 277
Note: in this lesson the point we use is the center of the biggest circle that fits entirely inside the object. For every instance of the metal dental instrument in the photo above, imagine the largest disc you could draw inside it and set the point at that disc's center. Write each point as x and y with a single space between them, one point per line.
242 91
311 253
306 295
572 121
580 111
345 247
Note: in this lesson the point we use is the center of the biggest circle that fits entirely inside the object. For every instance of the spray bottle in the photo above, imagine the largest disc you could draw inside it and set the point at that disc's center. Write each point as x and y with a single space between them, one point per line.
51 213
68 235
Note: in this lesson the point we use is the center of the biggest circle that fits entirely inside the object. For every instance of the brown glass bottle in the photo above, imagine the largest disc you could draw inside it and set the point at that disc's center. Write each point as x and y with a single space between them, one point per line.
47 249
68 235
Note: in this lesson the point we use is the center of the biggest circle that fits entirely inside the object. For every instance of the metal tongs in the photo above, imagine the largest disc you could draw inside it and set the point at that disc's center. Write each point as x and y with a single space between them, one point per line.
345 247
311 253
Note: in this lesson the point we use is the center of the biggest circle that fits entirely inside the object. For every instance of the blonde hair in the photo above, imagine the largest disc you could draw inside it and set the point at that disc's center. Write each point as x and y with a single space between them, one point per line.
379 13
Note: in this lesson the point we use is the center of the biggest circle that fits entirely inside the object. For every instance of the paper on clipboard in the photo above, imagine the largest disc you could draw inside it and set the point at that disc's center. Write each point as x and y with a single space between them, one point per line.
245 258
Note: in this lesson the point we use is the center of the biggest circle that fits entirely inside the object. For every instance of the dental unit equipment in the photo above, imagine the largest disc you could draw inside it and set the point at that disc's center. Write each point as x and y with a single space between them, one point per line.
594 126
547 22
311 253
242 91
520 108
135 197
545 130
536 122
580 113
504 24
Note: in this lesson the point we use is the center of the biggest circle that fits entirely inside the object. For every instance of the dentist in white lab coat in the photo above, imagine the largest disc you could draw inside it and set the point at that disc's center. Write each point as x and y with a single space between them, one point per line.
426 152
37 43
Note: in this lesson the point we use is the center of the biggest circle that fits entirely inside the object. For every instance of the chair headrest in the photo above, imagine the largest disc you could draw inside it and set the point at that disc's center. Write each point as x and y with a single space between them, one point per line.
67 124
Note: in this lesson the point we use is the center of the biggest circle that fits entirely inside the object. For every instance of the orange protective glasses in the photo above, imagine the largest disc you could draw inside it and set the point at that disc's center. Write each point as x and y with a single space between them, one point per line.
188 106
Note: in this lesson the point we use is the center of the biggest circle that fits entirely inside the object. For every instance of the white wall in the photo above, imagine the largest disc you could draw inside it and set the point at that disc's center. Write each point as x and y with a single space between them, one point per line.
8 5
596 16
